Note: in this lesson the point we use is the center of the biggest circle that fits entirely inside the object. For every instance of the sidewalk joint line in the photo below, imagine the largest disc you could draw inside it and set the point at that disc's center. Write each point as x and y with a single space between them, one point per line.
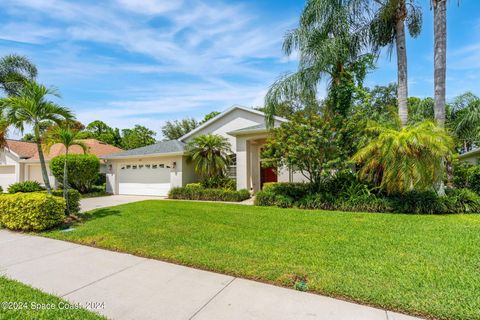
210 300
37 258
103 278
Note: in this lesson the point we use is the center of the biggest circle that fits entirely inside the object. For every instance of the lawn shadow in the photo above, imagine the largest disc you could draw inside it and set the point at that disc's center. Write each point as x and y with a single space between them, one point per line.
101 213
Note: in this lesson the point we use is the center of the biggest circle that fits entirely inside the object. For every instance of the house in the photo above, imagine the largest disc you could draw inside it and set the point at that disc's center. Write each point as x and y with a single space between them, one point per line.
155 169
19 160
472 156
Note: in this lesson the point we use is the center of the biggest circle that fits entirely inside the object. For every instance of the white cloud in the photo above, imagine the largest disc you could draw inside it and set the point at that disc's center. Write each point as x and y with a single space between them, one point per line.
157 58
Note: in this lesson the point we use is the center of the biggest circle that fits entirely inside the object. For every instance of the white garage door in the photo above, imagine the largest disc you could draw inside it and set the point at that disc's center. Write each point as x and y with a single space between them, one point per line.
7 176
141 179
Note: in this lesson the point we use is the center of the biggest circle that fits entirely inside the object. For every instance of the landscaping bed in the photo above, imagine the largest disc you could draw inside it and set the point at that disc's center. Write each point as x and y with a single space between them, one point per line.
419 264
24 302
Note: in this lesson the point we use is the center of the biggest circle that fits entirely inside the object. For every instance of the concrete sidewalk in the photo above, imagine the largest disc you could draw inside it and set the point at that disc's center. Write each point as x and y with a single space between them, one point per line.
131 287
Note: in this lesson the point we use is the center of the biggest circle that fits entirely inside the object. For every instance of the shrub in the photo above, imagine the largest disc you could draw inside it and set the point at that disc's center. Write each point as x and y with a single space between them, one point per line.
418 202
219 182
268 198
82 170
200 193
466 175
324 201
26 186
73 200
461 201
1 189
295 191
31 211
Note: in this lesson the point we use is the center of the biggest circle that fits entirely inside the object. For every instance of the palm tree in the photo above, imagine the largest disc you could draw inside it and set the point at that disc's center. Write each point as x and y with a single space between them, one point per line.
210 155
387 28
464 120
14 71
331 45
400 160
68 138
31 107
440 57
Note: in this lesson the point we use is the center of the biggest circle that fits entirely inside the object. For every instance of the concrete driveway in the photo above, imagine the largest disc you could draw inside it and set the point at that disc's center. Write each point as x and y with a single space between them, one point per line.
109 201
123 286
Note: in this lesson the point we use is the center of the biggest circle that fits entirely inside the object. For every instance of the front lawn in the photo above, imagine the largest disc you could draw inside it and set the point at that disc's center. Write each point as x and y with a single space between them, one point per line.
19 301
420 264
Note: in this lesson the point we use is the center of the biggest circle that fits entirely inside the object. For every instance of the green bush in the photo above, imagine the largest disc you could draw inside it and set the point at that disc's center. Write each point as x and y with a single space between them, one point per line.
26 186
82 170
200 193
461 201
268 198
73 200
219 182
466 175
426 202
31 211
1 189
323 201
293 190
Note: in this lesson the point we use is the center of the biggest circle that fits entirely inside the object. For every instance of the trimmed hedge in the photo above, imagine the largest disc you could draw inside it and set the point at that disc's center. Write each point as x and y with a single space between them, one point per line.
358 197
73 200
31 211
199 193
26 186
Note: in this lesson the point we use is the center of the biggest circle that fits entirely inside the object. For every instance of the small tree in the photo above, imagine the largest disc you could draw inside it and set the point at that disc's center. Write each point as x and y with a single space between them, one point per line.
137 137
308 144
82 170
66 137
210 155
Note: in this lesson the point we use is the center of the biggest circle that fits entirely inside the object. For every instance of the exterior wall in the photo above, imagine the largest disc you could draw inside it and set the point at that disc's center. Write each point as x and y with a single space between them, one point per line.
188 172
176 174
287 175
235 120
33 172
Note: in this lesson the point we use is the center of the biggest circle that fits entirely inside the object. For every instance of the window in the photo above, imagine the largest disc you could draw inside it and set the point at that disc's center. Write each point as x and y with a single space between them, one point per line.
134 167
232 168
147 166
154 166
161 165
140 166
129 166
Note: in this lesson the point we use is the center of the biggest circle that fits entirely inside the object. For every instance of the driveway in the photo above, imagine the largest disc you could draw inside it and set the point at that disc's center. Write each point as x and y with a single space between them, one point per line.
109 201
124 286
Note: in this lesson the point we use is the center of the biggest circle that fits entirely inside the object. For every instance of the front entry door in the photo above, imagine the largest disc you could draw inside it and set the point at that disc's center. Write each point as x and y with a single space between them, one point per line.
267 175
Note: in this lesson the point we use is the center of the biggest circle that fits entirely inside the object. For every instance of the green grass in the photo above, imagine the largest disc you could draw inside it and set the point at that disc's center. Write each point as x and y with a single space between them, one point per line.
24 302
419 264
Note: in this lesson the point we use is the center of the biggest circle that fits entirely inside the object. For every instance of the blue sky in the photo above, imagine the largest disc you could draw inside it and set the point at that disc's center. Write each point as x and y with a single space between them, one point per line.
139 61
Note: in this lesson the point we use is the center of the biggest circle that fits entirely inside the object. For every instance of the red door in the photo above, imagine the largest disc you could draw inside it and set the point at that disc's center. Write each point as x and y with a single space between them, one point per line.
267 175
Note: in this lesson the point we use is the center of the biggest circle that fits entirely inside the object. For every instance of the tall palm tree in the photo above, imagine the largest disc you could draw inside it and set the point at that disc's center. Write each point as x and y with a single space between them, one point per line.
400 160
331 45
31 107
68 138
387 28
440 57
210 155
14 71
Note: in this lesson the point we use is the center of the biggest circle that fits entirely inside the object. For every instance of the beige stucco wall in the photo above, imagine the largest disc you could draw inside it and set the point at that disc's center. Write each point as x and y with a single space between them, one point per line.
33 172
235 120
473 159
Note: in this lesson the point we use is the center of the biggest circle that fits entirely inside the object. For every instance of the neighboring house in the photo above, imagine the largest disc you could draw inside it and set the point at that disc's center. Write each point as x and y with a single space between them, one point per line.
472 156
19 160
155 169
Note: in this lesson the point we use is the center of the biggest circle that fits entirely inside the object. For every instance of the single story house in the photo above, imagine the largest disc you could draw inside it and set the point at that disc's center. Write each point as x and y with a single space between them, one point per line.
155 169
472 156
19 160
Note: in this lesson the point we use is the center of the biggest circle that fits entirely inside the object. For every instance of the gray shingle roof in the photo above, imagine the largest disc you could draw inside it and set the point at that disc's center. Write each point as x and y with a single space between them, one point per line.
169 146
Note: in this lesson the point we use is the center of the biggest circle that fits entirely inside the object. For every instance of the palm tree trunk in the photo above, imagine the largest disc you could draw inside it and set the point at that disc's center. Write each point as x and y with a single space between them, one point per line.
440 57
43 166
65 180
402 90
